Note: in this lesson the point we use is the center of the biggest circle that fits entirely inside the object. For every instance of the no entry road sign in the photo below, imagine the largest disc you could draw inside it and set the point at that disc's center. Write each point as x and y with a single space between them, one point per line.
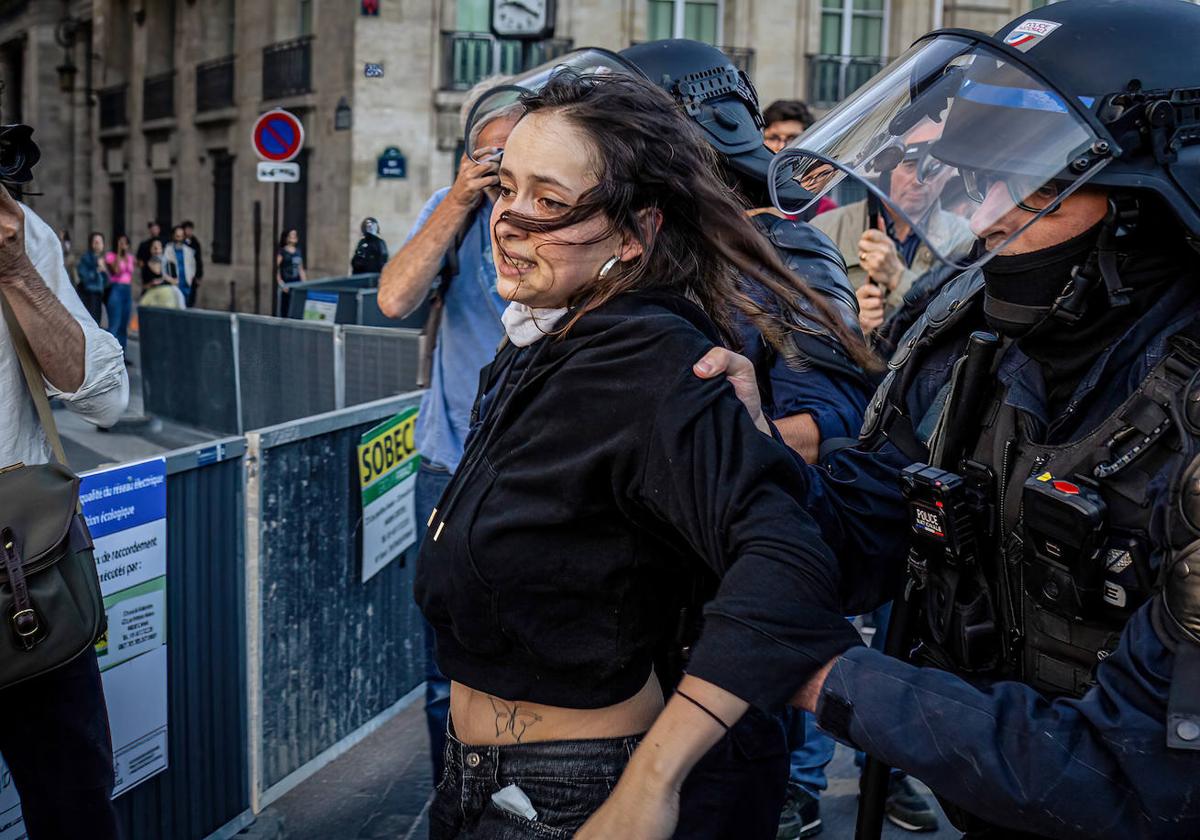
278 136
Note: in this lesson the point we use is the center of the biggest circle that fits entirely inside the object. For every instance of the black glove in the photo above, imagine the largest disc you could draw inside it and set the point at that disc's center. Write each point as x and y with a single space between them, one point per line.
1178 620
1181 593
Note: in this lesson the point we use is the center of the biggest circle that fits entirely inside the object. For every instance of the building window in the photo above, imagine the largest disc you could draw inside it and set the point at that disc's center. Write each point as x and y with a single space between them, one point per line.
853 27
473 16
306 17
117 209
295 204
222 228
220 29
699 20
162 204
230 18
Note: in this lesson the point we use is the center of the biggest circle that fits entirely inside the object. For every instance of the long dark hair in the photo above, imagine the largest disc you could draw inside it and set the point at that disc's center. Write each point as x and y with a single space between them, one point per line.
651 158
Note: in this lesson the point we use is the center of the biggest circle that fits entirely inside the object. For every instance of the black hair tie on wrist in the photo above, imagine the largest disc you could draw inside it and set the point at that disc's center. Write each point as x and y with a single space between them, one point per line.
703 708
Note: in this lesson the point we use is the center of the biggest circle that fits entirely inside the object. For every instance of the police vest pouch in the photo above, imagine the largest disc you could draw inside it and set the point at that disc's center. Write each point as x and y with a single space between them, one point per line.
50 601
1064 533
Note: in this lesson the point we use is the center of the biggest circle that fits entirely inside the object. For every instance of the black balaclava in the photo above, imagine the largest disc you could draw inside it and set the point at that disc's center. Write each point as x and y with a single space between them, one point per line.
1020 290
1147 257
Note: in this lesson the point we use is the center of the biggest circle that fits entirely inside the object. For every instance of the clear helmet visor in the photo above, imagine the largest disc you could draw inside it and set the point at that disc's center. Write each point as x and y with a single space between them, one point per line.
955 140
505 99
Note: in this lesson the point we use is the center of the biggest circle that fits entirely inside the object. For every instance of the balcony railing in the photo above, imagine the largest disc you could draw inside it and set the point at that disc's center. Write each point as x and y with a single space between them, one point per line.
113 113
287 68
831 78
214 84
468 57
158 97
742 58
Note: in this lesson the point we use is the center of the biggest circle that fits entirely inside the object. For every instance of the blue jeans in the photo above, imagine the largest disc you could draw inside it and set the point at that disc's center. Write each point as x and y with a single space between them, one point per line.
119 305
431 483
812 749
564 782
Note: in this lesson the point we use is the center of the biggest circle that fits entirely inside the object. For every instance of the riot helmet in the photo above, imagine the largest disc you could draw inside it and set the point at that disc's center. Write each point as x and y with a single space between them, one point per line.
720 99
1075 93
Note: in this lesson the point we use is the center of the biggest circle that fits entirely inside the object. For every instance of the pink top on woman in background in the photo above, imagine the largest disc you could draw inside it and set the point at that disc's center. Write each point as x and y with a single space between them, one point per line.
121 270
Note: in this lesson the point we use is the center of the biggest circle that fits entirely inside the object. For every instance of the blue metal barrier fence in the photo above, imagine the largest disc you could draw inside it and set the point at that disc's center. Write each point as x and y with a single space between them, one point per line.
229 372
279 656
206 783
331 654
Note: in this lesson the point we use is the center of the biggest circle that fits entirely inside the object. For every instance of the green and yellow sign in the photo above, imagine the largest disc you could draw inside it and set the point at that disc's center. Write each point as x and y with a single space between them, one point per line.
387 472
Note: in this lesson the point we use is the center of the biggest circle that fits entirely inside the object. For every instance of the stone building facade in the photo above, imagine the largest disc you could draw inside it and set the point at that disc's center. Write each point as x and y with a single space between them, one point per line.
144 108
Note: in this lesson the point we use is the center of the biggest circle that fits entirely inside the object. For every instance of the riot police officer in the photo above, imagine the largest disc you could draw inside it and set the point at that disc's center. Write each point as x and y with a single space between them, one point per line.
1028 474
826 399
371 252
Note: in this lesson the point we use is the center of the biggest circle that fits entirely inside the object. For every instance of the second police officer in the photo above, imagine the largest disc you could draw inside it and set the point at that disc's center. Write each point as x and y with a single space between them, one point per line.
1029 472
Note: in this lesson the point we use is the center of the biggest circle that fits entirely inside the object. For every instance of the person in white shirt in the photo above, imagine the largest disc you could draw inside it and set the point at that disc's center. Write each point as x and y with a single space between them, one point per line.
55 738
83 365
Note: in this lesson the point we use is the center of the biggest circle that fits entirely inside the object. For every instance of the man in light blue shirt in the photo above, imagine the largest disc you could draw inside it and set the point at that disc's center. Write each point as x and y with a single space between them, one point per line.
453 227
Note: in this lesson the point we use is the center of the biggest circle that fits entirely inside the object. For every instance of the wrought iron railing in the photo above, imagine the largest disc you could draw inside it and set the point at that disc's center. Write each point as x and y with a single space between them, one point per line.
158 96
468 57
831 78
214 84
113 111
287 68
742 58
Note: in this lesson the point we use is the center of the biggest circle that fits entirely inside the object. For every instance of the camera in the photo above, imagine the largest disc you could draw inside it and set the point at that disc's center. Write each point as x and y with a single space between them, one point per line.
18 154
948 513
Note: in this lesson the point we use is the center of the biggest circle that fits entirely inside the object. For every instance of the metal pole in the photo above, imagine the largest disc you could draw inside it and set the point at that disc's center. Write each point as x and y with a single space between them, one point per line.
257 257
278 297
876 773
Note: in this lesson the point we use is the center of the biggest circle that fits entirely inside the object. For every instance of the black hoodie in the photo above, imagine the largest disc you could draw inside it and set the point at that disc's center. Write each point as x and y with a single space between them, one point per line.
604 485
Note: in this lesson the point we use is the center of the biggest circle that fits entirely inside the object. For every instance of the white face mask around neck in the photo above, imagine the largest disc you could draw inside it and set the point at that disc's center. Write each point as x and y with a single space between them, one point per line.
526 325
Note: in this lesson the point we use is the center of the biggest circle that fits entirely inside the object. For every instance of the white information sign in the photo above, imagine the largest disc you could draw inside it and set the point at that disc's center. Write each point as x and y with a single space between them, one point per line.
126 511
284 173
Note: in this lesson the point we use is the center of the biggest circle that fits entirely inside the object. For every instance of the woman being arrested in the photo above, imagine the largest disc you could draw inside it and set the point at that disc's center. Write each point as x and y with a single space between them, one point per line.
607 494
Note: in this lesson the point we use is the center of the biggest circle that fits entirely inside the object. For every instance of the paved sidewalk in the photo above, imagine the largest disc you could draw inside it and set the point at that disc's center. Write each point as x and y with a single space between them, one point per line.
134 437
380 789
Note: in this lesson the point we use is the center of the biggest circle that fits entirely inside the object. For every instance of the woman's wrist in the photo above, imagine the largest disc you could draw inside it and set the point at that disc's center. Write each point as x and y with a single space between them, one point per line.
682 734
656 770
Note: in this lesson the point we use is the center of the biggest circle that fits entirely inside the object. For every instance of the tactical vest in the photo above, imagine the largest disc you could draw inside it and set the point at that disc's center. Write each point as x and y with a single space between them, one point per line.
810 254
1063 531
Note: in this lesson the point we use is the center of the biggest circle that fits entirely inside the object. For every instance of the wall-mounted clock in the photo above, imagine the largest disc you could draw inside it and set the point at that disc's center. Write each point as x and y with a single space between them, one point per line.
528 19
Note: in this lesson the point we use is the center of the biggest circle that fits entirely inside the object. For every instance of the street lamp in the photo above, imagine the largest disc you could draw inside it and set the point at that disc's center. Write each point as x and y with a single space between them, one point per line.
64 35
66 74
343 117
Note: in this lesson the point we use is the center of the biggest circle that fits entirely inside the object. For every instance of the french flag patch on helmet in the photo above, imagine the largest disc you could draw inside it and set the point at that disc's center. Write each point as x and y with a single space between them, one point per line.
1029 32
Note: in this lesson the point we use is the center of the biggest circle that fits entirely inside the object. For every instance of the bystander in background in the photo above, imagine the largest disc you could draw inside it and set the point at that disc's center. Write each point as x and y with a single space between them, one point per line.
92 275
118 295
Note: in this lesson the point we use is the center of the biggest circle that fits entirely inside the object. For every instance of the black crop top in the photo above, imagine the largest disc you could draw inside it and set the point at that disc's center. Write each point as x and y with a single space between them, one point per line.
604 480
